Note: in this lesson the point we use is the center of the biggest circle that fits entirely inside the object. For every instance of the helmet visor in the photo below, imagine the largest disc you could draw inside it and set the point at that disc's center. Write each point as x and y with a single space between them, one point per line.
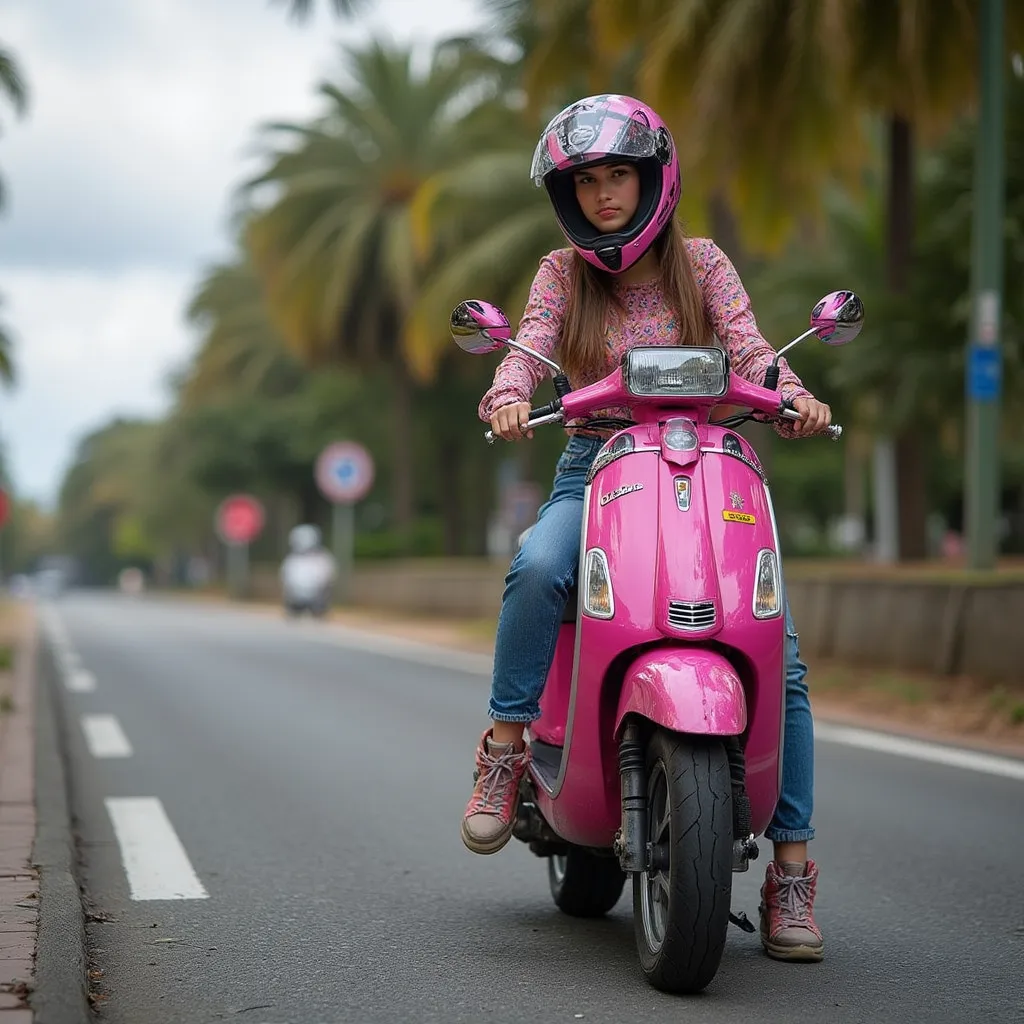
587 133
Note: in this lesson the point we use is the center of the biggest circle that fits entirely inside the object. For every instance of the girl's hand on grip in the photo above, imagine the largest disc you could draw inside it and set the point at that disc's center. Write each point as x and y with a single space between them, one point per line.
815 416
510 421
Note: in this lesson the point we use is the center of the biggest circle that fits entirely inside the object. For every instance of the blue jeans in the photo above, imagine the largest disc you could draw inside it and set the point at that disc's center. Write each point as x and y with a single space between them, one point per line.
536 589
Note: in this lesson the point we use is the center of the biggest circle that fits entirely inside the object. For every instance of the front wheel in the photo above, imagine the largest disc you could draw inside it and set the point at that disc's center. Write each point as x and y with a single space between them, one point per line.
584 884
681 903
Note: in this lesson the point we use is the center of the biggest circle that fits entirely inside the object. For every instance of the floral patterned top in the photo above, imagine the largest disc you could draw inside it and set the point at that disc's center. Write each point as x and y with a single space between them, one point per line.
649 321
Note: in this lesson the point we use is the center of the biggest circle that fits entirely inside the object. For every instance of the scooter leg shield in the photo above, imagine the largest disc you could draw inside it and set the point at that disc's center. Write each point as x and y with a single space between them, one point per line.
691 690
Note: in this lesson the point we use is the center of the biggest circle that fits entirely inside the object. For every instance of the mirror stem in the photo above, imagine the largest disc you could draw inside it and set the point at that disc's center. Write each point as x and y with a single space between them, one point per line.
536 355
771 375
796 341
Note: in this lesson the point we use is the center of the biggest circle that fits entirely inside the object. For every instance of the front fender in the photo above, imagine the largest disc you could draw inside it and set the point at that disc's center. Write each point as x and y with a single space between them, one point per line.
692 689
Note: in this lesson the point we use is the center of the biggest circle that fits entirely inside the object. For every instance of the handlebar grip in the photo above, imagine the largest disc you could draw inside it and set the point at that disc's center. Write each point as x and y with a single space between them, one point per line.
536 415
833 432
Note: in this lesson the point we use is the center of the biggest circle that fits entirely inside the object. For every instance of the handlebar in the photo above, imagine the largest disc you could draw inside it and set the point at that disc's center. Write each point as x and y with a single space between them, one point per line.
833 432
552 413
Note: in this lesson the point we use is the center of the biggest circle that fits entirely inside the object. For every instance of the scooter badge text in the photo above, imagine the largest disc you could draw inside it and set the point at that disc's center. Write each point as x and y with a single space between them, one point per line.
619 492
738 517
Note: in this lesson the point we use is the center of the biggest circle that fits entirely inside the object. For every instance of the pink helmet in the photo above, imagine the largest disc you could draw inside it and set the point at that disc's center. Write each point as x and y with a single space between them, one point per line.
596 130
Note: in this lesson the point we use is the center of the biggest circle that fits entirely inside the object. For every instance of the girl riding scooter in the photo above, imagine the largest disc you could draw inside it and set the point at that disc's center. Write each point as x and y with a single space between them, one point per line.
631 277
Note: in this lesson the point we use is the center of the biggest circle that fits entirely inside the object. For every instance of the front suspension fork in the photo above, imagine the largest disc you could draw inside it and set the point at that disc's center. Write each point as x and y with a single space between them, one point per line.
631 846
744 849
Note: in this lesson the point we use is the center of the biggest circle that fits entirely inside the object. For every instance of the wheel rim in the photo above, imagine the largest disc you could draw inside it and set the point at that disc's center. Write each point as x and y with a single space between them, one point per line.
654 889
557 865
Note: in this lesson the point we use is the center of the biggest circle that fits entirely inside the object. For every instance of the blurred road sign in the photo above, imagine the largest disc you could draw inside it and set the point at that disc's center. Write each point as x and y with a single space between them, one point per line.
5 507
239 519
344 472
983 373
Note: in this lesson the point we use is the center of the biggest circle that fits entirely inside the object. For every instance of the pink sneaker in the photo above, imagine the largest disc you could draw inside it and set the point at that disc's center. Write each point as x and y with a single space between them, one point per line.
491 812
788 931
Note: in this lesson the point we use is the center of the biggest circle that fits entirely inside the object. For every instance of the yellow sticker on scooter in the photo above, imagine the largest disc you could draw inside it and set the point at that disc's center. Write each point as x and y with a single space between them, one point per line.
738 517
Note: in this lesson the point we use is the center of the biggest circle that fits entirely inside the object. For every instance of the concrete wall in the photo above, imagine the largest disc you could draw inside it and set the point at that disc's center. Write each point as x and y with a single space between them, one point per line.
945 628
968 628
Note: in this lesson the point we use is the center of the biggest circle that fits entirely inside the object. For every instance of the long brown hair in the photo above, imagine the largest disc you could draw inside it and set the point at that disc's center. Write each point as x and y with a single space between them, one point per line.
593 306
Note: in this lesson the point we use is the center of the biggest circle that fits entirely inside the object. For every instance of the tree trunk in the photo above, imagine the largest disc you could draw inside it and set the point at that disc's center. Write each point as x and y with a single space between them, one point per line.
726 233
913 496
854 494
908 464
450 498
899 205
403 466
477 496
886 502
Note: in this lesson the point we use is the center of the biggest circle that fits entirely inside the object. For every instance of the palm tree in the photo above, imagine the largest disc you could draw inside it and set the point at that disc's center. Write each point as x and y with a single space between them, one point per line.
335 247
301 9
12 85
486 226
103 492
11 81
786 86
240 349
7 374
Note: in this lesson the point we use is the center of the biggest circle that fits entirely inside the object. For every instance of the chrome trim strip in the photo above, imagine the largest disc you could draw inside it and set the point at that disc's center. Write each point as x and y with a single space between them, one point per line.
597 465
785 641
741 457
573 686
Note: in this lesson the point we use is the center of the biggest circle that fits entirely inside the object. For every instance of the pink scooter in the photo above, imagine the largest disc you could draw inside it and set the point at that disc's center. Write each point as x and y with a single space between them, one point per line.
658 753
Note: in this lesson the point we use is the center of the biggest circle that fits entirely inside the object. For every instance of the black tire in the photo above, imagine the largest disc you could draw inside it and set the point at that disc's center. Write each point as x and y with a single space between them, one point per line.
584 884
681 913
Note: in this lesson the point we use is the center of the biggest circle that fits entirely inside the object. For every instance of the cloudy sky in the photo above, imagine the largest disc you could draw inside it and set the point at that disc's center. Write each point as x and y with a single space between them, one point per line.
142 121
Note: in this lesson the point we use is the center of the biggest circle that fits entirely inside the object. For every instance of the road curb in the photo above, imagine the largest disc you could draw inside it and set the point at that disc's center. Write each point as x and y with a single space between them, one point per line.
60 995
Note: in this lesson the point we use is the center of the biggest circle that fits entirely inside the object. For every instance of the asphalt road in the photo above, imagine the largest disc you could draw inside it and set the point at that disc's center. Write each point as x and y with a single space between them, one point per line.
303 794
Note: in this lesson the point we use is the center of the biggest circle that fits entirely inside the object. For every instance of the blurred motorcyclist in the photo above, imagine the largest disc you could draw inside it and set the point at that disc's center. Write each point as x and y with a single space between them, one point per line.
307 573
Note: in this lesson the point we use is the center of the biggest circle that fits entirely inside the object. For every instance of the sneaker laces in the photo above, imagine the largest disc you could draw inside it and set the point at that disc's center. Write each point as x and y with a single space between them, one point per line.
499 773
794 900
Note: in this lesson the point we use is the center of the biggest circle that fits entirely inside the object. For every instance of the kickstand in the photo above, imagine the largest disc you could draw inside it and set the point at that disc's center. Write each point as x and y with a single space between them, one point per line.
741 921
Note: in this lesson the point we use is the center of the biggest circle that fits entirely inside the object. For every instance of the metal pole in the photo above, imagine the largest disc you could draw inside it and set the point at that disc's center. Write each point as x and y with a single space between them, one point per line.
238 570
981 473
343 537
887 509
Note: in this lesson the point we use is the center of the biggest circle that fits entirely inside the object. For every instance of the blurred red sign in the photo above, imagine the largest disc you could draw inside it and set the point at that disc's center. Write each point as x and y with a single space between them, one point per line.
5 507
239 519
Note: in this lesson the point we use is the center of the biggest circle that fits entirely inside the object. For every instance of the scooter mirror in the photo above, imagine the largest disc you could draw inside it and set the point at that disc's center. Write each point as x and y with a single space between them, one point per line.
838 317
479 327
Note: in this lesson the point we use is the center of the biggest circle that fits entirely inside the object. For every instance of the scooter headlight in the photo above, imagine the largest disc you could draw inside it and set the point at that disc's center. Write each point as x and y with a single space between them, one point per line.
767 589
673 371
598 601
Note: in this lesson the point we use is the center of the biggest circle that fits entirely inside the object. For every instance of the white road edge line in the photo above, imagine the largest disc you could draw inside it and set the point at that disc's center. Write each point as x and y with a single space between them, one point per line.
154 860
919 750
76 678
105 737
80 680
